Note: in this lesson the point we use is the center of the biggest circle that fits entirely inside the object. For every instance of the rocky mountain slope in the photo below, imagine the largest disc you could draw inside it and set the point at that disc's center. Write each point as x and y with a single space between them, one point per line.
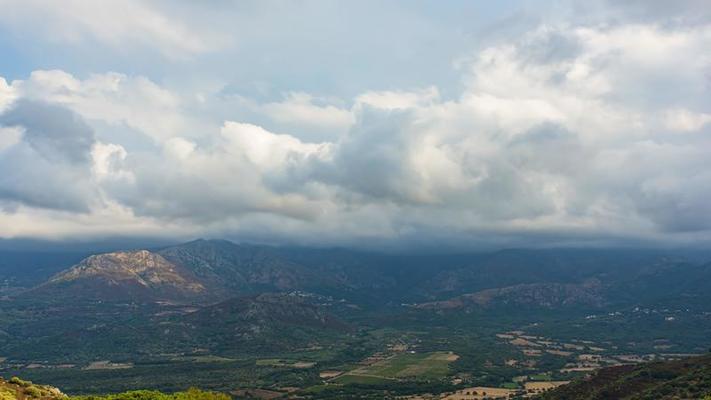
124 275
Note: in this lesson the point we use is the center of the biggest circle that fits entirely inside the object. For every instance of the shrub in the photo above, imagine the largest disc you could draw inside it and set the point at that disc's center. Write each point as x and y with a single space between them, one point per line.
33 391
190 394
17 381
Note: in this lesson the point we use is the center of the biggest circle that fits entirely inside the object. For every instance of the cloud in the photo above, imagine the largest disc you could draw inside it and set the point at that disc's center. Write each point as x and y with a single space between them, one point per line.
48 164
303 115
112 99
9 136
564 132
683 120
392 100
52 132
683 12
303 109
7 94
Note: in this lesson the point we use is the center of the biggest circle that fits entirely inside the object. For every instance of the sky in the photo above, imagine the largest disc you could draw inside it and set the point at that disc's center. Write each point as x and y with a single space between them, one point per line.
408 124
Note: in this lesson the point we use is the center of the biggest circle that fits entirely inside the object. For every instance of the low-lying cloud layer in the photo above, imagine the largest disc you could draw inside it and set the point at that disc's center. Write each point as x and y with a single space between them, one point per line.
565 133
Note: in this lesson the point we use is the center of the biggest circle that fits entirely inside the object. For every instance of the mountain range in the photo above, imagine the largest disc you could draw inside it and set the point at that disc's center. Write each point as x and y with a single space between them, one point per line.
218 294
212 270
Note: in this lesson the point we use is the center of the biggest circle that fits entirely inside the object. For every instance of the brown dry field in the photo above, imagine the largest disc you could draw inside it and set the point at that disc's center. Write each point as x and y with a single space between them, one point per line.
329 374
544 385
491 392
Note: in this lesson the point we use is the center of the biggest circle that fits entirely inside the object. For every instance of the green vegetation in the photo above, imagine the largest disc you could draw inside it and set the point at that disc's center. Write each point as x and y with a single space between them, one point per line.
359 317
540 377
190 394
19 389
17 381
683 379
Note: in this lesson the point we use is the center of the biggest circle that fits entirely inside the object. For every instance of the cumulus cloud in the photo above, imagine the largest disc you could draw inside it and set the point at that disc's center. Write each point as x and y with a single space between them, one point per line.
565 131
52 132
47 166
308 117
304 109
111 98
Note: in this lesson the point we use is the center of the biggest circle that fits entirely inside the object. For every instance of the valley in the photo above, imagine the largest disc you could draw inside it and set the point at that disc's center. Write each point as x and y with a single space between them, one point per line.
273 322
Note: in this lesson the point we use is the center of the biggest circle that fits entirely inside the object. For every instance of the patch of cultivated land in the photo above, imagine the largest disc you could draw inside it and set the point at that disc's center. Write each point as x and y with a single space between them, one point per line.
108 365
273 362
480 392
540 387
404 365
329 374
362 379
204 358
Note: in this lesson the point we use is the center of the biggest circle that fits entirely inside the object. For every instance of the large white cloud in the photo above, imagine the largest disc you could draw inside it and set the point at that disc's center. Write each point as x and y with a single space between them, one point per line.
585 132
112 99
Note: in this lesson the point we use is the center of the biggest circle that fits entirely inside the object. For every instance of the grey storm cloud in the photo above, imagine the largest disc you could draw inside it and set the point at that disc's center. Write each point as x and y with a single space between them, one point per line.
50 166
372 158
54 132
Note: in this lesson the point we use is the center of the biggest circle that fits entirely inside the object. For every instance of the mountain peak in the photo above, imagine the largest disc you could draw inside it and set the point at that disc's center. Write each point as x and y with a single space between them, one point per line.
141 271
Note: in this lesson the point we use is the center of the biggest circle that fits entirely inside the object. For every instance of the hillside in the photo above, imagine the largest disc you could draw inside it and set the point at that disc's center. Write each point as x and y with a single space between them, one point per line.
230 267
282 308
544 295
688 378
18 389
215 299
123 275
267 322
216 270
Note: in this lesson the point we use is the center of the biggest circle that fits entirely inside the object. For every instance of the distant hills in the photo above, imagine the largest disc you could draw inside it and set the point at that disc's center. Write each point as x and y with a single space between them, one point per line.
207 271
279 316
228 267
545 295
231 298
261 323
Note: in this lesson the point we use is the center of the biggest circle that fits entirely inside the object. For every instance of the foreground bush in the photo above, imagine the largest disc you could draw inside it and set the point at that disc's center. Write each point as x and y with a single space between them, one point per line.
190 394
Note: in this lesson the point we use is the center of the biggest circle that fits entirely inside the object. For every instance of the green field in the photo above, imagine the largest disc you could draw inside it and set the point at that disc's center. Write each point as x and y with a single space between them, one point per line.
361 379
406 365
540 377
